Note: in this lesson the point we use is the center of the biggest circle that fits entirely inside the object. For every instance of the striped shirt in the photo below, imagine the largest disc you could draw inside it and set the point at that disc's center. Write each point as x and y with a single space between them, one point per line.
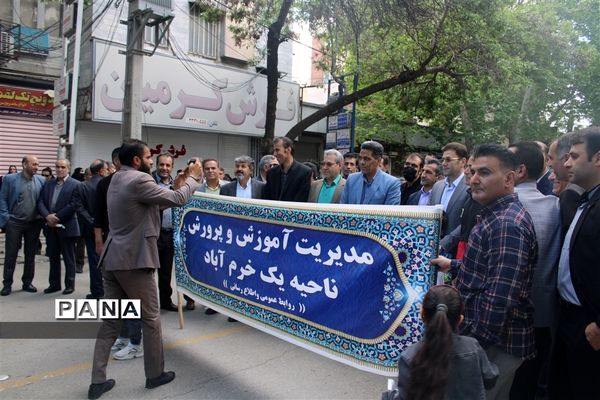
495 278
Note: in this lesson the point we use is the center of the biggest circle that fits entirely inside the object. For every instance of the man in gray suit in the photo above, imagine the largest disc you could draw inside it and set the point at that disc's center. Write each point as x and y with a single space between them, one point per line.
328 189
244 186
451 192
130 257
545 214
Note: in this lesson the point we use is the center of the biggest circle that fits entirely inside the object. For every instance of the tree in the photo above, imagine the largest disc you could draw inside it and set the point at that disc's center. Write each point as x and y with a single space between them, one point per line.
410 42
253 19
501 70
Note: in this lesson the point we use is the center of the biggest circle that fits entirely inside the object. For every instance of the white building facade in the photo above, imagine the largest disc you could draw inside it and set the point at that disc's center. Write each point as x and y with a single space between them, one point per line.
201 95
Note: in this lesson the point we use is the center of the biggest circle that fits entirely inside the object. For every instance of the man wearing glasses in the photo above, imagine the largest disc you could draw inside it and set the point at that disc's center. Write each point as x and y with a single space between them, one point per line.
329 188
47 174
264 165
451 192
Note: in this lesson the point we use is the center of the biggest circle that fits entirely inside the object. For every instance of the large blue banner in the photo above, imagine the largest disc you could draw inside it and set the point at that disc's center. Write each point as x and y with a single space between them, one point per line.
344 281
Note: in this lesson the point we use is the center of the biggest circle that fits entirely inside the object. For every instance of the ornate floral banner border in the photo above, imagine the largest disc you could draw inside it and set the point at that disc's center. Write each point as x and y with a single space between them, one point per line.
344 281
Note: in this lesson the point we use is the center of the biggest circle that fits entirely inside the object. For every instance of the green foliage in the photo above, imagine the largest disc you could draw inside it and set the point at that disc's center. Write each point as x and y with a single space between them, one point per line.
501 70
251 19
515 70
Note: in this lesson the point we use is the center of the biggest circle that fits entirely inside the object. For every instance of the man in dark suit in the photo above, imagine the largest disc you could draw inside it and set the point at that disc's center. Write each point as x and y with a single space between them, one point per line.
350 164
329 189
451 192
244 186
86 213
130 257
290 181
413 167
58 204
576 355
543 183
429 176
568 193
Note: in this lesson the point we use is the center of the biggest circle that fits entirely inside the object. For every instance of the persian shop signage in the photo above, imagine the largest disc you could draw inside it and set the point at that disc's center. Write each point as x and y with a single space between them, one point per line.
218 99
23 101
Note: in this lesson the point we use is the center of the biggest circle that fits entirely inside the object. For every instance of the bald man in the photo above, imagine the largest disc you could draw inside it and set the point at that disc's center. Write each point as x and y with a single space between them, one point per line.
21 221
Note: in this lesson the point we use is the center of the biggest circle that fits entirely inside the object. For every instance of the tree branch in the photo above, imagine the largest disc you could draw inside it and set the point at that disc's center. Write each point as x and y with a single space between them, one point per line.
400 79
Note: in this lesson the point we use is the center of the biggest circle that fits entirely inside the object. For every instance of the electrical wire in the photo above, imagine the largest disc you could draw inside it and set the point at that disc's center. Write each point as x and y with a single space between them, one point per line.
113 28
56 26
191 66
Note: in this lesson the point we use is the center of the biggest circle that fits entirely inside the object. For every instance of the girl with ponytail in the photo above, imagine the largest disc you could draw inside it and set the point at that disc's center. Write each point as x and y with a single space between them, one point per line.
444 365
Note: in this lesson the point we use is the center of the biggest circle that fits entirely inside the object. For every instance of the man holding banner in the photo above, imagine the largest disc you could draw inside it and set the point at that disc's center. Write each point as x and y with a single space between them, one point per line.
244 185
496 273
371 185
290 181
329 188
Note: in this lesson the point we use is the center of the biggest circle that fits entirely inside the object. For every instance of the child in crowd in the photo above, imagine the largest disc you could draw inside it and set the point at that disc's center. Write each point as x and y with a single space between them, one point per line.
444 365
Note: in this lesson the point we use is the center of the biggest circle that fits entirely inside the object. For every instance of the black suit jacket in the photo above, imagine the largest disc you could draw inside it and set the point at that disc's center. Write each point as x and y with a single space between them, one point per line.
87 209
297 186
230 189
67 204
584 258
413 199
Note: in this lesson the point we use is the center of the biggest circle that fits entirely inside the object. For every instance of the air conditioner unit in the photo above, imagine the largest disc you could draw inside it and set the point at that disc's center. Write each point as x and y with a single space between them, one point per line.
7 46
160 8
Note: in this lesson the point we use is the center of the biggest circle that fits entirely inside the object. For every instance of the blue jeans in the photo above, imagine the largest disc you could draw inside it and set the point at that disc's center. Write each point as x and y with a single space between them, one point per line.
16 231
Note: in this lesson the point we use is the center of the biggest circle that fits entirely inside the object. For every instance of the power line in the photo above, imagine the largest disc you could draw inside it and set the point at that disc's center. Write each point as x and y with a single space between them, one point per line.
192 66
113 27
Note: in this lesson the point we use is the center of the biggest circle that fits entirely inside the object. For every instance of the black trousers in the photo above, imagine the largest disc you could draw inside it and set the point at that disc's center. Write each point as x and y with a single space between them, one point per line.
532 375
96 284
59 244
575 366
165 257
16 231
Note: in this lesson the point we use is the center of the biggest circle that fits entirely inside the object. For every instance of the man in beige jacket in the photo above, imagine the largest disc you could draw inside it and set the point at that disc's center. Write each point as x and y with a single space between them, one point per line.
130 257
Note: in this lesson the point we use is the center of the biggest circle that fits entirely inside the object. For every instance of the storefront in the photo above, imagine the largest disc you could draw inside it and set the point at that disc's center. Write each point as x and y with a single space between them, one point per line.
26 127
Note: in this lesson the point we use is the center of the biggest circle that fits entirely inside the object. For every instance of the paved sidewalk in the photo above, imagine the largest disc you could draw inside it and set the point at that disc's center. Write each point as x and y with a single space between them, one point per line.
213 359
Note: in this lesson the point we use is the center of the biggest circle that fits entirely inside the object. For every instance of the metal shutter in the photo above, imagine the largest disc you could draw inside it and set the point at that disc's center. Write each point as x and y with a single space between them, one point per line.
20 136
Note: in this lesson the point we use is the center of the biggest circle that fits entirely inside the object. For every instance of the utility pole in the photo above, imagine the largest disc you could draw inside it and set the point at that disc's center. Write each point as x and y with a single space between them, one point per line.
75 80
141 13
131 125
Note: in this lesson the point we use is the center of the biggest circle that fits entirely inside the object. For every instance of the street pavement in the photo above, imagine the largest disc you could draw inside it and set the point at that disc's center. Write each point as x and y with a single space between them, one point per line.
213 358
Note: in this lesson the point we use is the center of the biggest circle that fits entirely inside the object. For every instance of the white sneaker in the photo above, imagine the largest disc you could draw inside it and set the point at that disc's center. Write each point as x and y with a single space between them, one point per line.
129 352
119 344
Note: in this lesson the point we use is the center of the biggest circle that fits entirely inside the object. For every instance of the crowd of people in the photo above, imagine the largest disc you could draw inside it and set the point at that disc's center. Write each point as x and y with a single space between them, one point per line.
519 317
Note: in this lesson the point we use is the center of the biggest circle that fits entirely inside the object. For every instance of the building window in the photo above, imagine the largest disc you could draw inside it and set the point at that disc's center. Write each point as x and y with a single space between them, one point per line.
204 32
151 34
